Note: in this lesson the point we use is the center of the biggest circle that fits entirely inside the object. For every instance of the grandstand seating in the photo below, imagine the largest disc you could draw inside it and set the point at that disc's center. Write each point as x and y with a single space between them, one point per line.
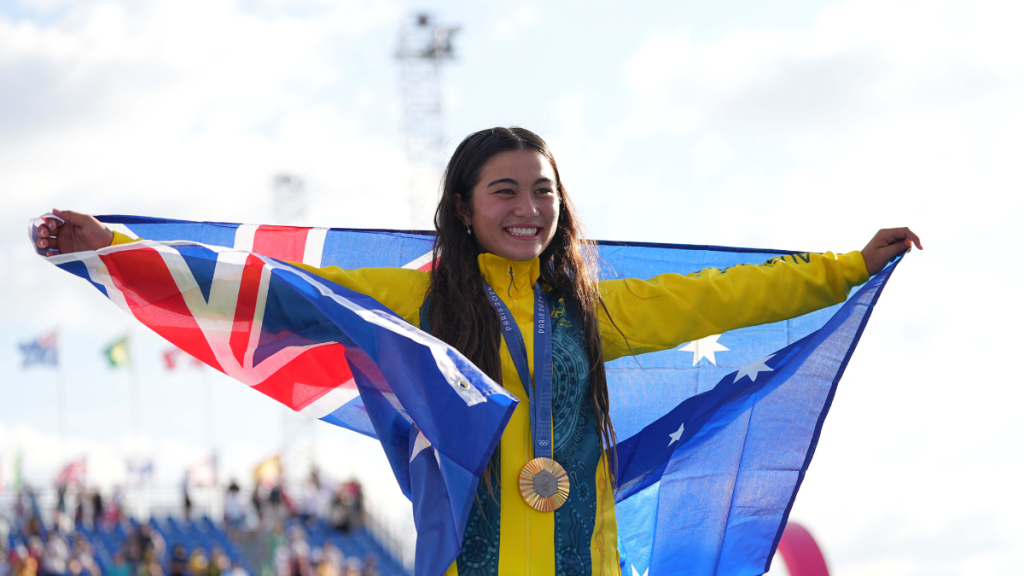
205 534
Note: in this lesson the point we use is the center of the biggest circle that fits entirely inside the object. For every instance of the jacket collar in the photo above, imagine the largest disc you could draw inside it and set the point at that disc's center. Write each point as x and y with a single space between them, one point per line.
509 278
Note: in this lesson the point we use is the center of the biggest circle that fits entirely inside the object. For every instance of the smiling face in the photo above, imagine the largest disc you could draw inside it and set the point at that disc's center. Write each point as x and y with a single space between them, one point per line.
514 206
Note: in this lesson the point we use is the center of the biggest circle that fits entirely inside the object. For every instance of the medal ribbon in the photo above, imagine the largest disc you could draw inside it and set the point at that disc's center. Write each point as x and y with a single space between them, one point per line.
540 398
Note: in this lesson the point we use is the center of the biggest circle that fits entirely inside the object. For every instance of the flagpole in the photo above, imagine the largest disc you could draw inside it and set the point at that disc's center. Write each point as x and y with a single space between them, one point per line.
133 382
62 412
207 408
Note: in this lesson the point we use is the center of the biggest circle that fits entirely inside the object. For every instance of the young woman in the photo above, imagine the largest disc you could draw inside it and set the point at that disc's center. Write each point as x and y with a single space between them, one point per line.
513 273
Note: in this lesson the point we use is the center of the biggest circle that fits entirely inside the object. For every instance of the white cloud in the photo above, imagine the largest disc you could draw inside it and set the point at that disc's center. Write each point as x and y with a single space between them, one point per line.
521 17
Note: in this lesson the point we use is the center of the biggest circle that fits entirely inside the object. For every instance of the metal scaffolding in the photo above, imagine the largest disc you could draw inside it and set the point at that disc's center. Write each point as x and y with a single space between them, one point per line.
423 47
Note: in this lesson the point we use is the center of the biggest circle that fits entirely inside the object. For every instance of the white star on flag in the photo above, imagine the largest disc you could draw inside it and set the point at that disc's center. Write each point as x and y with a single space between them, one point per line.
705 348
635 573
677 434
751 370
419 445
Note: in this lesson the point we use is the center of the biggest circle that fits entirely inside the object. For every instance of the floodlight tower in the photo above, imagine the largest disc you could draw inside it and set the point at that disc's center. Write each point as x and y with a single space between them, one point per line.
423 47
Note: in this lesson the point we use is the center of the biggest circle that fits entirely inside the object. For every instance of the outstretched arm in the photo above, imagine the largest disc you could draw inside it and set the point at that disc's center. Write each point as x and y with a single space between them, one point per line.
671 309
399 289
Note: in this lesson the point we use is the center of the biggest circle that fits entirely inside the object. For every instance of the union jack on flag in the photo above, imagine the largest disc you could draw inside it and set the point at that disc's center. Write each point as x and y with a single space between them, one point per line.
730 422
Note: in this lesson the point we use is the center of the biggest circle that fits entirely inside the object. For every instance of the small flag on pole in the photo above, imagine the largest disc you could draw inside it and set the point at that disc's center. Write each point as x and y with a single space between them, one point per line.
204 472
140 471
268 471
117 353
73 473
42 350
172 355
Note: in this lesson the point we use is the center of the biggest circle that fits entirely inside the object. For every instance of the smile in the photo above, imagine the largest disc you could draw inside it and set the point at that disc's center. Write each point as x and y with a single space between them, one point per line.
523 231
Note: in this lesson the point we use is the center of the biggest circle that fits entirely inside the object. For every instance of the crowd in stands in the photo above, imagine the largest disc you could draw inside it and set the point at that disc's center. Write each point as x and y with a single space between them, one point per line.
339 504
310 532
317 530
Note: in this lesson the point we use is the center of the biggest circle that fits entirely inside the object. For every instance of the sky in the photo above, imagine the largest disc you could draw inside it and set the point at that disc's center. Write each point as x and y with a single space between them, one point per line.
798 125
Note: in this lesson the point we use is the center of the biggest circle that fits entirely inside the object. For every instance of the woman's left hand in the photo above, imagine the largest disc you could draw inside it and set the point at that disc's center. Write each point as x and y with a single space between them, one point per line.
886 245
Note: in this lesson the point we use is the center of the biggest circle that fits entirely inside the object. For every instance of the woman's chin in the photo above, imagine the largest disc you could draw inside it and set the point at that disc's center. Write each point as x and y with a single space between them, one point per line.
518 253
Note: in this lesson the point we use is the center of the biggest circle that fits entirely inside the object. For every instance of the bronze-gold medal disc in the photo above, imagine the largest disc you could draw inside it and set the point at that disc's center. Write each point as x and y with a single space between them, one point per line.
544 484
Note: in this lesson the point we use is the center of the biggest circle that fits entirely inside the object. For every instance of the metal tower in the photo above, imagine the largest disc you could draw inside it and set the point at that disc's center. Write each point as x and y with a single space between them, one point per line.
423 46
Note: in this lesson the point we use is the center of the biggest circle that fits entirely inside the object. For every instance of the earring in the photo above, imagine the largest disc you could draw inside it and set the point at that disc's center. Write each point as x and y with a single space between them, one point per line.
468 229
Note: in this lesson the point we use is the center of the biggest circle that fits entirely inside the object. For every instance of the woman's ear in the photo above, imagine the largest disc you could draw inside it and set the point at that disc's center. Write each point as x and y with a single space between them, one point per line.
462 209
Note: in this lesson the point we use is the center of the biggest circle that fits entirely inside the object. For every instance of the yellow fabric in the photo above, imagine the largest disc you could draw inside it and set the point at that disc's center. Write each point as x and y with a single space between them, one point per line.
654 314
671 309
604 542
121 239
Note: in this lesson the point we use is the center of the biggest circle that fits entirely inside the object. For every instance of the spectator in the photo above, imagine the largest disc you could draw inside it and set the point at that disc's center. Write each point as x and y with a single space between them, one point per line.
272 542
238 570
340 511
83 554
257 501
113 512
220 564
275 499
309 506
234 516
97 506
178 566
79 508
321 566
370 566
23 563
120 567
187 500
62 493
198 563
352 568
54 561
298 549
35 550
333 557
150 566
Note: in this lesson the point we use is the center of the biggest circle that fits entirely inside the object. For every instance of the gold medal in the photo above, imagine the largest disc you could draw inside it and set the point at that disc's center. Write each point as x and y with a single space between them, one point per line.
544 484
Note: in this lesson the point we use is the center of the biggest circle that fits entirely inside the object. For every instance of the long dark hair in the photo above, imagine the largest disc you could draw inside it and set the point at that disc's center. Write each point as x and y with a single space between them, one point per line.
458 311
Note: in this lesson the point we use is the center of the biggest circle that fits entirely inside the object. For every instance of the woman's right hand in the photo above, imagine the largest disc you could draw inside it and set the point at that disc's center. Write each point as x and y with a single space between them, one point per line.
78 232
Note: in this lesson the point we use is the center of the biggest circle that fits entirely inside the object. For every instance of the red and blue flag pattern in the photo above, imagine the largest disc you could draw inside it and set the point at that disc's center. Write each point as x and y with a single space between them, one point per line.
716 436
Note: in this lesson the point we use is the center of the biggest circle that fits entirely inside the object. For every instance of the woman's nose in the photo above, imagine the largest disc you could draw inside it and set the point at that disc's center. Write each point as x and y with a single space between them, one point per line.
526 205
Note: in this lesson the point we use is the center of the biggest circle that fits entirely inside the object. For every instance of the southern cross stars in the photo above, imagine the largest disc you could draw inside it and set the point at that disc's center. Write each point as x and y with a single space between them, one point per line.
705 348
751 370
677 434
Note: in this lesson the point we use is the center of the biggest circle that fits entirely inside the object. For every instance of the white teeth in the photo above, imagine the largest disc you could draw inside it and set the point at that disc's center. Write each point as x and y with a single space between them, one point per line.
522 231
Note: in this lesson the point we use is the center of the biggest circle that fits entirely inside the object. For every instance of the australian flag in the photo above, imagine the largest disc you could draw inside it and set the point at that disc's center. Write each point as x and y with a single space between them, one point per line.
42 351
716 436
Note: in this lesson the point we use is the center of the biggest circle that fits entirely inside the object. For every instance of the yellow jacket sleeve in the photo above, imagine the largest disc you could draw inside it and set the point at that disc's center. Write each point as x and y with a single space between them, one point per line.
671 309
399 289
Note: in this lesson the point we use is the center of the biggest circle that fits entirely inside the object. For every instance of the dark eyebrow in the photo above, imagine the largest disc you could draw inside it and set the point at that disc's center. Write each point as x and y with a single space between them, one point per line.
512 181
504 180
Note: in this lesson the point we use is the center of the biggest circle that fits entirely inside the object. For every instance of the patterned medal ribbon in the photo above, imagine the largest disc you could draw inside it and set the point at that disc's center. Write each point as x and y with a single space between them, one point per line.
542 482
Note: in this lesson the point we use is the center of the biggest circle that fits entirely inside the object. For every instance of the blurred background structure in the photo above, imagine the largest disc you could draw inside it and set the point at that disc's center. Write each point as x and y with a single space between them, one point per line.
424 46
794 124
